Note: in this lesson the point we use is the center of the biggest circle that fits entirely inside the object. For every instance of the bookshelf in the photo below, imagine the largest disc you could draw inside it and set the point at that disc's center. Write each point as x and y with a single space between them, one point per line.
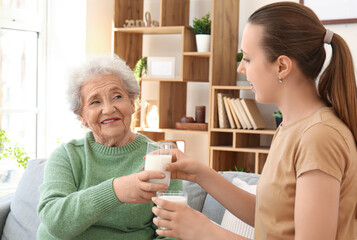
227 147
236 148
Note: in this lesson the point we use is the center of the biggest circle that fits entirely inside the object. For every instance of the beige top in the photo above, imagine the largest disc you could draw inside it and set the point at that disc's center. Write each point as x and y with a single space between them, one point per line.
321 141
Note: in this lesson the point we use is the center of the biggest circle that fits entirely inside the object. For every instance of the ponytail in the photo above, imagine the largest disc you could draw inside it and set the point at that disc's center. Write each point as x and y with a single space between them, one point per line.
337 85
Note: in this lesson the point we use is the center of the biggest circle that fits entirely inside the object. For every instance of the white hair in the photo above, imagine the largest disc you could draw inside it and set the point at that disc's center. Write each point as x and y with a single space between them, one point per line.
98 66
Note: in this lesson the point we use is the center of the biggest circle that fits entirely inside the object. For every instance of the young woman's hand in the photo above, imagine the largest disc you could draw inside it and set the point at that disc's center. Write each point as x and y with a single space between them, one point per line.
184 167
182 221
135 188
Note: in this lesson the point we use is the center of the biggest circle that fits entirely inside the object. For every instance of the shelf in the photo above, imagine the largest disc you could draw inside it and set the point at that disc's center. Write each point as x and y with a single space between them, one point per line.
198 54
169 130
162 79
264 150
152 30
258 131
231 87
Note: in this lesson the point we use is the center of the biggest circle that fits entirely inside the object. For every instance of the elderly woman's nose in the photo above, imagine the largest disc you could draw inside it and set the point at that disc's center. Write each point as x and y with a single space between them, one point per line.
108 108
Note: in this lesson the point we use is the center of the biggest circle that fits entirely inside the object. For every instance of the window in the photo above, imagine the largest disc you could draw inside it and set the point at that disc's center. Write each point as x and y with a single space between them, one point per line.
18 86
21 30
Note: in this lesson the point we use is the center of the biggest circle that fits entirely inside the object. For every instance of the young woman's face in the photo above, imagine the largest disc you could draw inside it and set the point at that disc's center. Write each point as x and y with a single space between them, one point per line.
106 107
259 72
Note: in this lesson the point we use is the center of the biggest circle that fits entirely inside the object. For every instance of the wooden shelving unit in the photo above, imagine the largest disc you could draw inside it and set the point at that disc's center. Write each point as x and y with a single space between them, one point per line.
241 148
227 147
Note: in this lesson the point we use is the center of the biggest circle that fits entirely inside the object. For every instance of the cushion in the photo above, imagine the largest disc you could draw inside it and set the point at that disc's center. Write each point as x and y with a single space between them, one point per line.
213 209
234 224
196 195
22 221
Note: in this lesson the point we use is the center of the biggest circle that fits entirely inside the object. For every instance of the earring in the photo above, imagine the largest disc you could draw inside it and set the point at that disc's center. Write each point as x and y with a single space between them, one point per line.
280 79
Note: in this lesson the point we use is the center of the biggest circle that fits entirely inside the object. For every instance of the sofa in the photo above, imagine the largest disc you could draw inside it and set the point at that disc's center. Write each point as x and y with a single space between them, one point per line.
18 211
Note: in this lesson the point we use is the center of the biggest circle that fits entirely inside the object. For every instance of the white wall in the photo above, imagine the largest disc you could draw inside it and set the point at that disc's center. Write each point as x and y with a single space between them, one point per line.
99 19
75 29
66 47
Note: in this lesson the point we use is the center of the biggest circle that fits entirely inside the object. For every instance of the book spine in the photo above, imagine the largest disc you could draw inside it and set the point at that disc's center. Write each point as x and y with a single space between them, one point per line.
230 118
240 118
222 115
234 115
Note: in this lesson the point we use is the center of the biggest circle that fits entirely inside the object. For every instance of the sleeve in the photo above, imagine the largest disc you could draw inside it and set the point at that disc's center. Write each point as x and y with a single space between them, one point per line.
322 148
65 211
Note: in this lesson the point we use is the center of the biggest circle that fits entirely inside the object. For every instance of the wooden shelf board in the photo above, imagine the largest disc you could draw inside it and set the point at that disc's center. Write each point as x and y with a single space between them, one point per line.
170 130
197 54
264 150
151 30
172 80
163 79
231 87
258 131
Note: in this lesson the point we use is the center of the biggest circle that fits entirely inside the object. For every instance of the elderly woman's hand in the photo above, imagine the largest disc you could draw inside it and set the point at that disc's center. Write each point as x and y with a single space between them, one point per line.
134 188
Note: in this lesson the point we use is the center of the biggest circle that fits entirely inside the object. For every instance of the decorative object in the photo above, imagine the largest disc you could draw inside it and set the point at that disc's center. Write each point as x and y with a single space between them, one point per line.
333 11
140 70
187 120
202 29
200 114
151 119
278 117
161 67
141 23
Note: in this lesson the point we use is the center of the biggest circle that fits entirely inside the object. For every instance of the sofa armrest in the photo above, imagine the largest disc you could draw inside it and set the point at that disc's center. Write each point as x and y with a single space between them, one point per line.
4 210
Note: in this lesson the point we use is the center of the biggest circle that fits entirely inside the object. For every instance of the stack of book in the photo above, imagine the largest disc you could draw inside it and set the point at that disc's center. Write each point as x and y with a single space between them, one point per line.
240 113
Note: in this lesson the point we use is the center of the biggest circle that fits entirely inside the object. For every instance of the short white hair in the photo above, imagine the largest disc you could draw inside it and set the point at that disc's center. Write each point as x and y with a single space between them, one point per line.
99 65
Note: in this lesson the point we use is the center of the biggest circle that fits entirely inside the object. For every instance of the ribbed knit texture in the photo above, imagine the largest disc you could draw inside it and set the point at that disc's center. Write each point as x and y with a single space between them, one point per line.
77 197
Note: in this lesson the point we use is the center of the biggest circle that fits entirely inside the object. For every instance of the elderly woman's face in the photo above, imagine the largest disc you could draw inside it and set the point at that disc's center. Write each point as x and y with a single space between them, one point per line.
106 107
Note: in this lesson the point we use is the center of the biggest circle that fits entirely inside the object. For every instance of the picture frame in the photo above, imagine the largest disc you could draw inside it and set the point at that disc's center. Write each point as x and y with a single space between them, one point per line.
332 11
161 67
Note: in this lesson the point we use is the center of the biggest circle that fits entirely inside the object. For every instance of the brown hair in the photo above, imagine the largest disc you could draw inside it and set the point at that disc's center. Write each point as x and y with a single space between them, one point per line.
294 30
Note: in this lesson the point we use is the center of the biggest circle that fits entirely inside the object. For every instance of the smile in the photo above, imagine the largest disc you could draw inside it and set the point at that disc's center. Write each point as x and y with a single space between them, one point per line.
108 121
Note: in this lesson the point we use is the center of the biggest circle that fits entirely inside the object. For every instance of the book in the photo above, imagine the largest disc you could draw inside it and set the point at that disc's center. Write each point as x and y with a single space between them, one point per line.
240 118
222 115
253 113
243 114
229 114
234 115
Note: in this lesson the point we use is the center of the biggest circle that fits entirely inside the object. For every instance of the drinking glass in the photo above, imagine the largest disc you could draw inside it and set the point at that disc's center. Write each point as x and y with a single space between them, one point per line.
177 196
159 154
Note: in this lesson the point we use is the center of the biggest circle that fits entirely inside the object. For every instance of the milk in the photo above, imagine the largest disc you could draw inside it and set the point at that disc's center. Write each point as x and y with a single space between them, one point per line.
176 199
157 163
172 198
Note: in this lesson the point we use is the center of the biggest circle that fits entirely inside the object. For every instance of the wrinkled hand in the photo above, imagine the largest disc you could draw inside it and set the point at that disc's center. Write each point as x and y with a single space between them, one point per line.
134 188
182 221
184 167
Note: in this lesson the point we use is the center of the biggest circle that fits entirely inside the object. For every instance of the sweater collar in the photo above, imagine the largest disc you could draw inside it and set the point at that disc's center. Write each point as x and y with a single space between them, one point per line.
139 140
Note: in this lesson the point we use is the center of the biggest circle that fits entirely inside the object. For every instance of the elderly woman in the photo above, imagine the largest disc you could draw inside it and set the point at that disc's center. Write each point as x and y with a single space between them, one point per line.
94 188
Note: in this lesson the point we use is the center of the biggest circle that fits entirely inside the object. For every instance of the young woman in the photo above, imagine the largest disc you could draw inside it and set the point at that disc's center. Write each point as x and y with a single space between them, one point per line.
308 186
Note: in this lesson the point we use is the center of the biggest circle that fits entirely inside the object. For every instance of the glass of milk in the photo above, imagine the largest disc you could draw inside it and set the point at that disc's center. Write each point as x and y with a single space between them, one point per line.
159 154
177 196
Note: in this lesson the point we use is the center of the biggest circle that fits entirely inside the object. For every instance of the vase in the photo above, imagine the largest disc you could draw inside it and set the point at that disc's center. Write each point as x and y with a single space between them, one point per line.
203 42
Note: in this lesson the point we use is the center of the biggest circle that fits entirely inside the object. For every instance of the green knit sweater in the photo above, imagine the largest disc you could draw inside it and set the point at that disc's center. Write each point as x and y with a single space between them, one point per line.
77 199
